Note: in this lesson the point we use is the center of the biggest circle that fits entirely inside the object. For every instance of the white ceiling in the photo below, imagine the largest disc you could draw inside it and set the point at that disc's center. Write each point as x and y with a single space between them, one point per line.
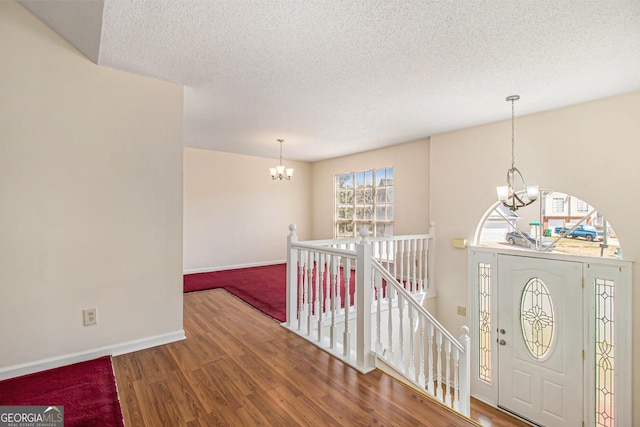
336 77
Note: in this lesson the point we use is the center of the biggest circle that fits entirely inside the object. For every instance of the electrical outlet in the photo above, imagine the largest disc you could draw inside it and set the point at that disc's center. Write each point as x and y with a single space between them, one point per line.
462 311
90 316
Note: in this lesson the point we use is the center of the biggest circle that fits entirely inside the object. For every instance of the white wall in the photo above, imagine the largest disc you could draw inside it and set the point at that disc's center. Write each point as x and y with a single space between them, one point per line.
90 201
235 215
410 164
600 139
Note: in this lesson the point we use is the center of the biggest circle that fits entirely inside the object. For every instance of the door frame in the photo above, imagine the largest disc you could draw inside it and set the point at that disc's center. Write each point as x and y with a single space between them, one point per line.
592 268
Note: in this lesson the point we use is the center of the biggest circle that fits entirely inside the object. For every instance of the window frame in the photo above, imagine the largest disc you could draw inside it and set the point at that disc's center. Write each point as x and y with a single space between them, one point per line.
364 199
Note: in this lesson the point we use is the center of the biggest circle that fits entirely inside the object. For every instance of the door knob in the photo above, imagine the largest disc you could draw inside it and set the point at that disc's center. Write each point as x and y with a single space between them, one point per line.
502 342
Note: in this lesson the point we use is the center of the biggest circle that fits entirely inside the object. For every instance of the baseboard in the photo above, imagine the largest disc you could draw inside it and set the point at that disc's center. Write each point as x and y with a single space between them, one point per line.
67 359
233 267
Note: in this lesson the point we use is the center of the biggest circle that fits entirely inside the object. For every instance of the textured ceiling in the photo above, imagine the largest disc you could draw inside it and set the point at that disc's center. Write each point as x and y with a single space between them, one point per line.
335 77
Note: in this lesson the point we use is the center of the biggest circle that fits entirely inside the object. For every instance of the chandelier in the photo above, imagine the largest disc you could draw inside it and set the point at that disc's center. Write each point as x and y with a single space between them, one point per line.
280 172
515 196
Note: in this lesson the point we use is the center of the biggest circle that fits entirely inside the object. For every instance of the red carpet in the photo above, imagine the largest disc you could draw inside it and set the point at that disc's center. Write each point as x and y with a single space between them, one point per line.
264 288
87 390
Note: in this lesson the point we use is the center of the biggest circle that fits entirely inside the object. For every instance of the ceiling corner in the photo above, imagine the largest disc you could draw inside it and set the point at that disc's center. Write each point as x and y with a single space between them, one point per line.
79 22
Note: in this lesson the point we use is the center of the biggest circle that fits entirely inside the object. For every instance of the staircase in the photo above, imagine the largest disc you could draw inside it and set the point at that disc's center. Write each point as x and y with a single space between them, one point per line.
361 300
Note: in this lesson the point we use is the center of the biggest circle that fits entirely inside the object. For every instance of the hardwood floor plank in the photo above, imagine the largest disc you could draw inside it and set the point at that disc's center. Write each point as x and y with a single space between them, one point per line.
238 367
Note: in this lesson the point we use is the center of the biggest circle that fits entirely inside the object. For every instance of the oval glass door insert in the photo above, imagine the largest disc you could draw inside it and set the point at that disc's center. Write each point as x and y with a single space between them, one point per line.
537 318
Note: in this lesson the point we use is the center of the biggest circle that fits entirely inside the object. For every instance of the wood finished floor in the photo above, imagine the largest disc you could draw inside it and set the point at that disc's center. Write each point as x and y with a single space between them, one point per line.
238 367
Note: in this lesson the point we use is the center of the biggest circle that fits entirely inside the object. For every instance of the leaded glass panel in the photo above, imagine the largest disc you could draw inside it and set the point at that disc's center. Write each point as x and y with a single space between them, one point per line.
484 332
537 318
605 353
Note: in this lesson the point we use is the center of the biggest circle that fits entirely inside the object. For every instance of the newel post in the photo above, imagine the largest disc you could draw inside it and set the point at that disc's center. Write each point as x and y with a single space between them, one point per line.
465 372
364 358
431 261
292 277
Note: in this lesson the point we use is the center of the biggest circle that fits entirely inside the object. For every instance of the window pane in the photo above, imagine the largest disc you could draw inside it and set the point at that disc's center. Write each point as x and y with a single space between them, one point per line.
345 180
368 195
359 213
557 205
390 194
345 229
583 207
381 195
345 197
359 179
380 213
390 213
368 178
360 197
345 212
368 212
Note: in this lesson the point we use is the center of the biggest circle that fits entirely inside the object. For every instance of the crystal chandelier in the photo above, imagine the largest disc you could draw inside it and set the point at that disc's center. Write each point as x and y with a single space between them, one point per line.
280 172
512 195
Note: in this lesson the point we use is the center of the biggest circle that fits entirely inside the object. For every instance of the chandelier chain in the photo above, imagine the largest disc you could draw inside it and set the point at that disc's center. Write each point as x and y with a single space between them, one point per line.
513 131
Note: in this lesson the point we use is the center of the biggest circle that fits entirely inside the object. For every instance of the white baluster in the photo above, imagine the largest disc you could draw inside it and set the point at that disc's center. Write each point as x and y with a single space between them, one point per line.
421 345
316 285
412 360
395 258
401 330
327 284
401 260
414 265
390 295
334 284
308 291
430 351
420 266
439 355
300 287
338 296
447 382
320 287
378 284
431 272
456 379
346 345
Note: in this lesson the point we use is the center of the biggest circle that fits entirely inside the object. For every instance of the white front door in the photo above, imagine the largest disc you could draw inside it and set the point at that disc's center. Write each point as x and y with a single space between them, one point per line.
540 339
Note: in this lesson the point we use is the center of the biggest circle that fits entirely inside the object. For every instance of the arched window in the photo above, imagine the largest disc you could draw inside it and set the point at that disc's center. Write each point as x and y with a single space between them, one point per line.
555 222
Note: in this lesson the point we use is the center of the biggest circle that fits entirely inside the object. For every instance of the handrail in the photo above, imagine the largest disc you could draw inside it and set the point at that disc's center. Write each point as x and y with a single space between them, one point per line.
333 251
349 240
408 297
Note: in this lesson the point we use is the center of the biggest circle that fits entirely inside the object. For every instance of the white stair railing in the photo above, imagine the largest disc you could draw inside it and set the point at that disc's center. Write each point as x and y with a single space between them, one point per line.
416 345
361 300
